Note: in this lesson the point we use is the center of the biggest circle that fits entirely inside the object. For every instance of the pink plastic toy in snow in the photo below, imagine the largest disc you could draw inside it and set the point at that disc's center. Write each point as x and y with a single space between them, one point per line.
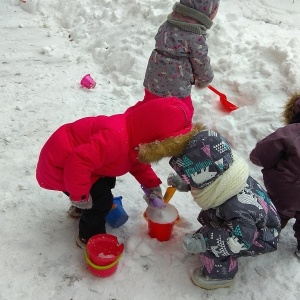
88 82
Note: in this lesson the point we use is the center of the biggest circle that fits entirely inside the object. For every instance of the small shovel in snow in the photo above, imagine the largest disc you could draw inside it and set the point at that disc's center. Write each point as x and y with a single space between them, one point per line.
223 99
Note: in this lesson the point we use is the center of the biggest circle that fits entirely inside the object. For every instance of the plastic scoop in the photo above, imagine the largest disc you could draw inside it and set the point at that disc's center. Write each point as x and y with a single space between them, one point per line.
223 99
169 193
88 82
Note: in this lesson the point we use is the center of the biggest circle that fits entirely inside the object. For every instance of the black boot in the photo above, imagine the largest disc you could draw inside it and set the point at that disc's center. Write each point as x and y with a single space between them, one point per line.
297 253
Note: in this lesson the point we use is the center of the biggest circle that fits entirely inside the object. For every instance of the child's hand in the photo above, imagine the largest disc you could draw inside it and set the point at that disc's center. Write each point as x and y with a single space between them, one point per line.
194 243
176 181
154 197
200 85
86 203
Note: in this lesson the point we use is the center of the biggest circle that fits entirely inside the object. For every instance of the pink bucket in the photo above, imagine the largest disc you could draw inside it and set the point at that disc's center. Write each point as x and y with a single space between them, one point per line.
88 82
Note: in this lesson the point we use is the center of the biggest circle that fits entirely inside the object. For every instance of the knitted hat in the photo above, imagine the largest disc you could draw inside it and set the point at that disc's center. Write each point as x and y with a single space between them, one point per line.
206 157
207 7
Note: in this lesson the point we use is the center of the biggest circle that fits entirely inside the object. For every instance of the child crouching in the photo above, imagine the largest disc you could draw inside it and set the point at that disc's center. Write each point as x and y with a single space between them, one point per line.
237 216
278 155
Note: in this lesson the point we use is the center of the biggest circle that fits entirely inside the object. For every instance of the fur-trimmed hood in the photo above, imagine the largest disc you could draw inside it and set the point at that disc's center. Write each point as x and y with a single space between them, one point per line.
291 108
172 146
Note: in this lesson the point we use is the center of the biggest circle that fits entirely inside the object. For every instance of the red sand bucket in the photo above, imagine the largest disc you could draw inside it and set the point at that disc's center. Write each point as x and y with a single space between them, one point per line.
159 231
102 254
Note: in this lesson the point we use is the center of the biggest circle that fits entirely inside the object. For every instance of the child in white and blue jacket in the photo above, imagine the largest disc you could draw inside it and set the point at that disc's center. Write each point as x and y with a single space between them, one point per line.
237 216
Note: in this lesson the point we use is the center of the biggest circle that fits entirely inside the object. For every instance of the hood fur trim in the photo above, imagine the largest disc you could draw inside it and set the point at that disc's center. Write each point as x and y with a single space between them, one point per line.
172 146
289 112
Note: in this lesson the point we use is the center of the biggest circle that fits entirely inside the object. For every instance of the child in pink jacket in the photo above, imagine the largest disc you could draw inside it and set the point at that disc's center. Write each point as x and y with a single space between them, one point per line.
83 158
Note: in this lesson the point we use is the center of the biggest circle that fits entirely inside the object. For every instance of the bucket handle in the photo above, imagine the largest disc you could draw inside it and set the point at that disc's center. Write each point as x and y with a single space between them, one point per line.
100 267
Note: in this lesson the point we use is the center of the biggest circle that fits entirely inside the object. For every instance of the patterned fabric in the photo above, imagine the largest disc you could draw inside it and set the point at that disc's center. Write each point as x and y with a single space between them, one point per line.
206 157
224 187
245 225
180 58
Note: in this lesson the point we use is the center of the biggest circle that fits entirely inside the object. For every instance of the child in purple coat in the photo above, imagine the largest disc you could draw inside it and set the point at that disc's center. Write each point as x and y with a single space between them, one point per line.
237 216
279 156
180 58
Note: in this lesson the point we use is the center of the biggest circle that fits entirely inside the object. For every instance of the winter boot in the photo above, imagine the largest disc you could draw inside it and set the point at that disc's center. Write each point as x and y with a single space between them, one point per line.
74 212
81 243
297 253
208 283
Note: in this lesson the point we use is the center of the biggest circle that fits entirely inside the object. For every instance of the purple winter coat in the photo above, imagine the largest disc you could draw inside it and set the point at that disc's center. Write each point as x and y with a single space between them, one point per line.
279 156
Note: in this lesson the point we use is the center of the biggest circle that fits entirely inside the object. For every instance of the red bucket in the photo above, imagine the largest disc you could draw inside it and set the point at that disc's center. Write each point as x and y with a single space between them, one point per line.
159 231
102 254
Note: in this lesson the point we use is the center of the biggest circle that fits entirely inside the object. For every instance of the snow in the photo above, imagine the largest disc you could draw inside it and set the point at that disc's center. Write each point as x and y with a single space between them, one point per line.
167 215
103 255
46 49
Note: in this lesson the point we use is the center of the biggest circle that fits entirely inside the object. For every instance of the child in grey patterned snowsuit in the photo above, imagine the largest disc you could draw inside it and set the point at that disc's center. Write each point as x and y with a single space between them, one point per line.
237 216
180 58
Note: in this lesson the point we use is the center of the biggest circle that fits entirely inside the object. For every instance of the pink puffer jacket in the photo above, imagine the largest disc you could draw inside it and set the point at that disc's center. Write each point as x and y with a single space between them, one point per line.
77 154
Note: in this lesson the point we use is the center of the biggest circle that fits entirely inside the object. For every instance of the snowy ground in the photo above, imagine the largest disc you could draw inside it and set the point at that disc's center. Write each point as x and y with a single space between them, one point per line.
46 48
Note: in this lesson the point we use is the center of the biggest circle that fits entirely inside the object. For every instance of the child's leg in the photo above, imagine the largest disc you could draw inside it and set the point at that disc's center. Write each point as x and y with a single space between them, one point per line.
187 100
216 272
219 268
296 227
150 96
92 220
284 219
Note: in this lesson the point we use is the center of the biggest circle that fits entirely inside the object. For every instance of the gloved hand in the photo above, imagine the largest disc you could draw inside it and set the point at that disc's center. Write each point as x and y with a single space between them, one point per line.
194 243
154 197
176 181
200 85
85 203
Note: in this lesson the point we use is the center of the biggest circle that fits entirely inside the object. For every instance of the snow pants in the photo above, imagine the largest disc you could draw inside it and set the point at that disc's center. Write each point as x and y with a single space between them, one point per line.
227 267
92 220
187 100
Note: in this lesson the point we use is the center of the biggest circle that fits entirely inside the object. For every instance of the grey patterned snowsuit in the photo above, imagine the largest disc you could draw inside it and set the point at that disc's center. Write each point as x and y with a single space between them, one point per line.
179 58
251 218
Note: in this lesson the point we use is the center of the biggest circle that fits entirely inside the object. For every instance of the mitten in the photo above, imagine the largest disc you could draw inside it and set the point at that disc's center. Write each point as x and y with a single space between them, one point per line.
194 243
154 197
200 85
85 203
176 181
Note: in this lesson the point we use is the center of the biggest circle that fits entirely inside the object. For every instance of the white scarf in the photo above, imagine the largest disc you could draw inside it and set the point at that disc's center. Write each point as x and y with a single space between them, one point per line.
230 183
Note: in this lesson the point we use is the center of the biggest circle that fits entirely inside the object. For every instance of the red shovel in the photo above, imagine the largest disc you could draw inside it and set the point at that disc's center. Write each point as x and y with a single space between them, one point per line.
223 99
